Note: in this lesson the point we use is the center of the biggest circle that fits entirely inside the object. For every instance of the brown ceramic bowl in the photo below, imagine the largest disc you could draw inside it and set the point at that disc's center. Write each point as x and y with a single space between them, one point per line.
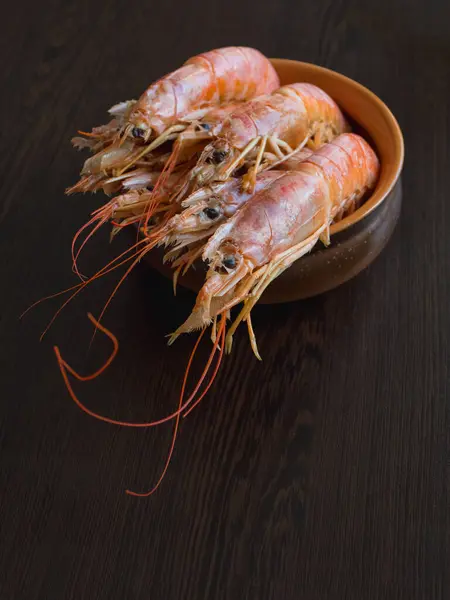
358 239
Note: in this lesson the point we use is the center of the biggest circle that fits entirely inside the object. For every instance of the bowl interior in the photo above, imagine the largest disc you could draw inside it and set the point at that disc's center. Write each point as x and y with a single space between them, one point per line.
368 111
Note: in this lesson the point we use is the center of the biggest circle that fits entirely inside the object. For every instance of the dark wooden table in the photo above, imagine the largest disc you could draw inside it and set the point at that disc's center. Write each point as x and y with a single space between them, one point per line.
322 473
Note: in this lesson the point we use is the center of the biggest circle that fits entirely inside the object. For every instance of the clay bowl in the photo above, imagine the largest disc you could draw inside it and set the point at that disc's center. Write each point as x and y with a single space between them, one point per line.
358 239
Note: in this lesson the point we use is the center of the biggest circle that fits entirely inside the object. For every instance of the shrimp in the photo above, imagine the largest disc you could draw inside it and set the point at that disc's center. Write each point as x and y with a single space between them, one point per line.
215 78
285 121
106 166
210 79
207 208
277 226
188 143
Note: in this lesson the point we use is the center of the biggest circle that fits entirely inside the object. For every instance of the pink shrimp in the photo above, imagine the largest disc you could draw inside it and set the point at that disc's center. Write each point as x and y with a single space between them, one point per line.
278 226
210 79
111 161
213 79
207 208
285 121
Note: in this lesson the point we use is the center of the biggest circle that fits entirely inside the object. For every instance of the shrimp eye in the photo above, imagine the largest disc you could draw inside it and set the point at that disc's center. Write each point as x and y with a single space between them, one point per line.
211 212
205 126
137 132
150 187
217 156
229 261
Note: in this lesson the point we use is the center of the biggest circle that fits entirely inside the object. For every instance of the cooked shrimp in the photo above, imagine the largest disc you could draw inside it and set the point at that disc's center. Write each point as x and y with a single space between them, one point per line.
208 207
188 142
106 166
284 121
278 226
210 79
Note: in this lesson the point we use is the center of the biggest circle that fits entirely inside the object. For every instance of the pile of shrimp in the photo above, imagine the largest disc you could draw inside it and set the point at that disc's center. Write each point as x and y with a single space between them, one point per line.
218 163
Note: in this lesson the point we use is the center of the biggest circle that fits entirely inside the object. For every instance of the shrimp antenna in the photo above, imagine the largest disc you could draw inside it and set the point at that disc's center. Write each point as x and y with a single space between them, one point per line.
149 245
65 368
222 334
156 198
101 220
182 406
111 266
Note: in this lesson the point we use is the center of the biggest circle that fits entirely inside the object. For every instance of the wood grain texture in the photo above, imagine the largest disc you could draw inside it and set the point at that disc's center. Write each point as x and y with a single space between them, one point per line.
322 473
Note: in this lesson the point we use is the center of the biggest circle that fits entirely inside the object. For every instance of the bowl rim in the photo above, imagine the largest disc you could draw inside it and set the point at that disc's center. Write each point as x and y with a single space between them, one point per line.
378 196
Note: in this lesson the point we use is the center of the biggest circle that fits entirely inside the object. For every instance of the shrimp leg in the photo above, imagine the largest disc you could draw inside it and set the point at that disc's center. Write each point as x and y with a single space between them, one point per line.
251 335
285 145
241 297
249 179
183 264
275 147
227 173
